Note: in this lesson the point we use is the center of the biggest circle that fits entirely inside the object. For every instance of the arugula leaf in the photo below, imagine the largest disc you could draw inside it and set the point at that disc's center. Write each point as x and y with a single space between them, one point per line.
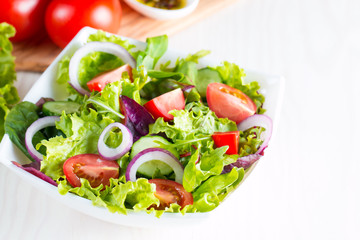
8 93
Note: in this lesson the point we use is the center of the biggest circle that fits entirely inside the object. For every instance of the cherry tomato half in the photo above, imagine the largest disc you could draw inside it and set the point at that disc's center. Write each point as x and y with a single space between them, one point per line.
91 167
64 18
161 105
168 191
27 16
230 139
98 83
228 102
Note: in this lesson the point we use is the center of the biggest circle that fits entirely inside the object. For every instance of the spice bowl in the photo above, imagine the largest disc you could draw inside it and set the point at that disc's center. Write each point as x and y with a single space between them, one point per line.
163 14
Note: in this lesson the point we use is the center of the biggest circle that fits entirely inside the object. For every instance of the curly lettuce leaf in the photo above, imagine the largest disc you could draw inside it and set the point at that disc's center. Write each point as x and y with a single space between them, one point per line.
81 136
192 126
121 196
233 76
8 93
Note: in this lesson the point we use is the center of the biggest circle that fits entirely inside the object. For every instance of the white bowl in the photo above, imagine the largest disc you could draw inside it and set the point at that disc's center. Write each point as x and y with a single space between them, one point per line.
271 86
163 14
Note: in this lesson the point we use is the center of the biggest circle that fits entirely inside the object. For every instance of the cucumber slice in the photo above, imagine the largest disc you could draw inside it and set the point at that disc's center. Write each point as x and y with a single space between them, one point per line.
55 108
149 168
206 76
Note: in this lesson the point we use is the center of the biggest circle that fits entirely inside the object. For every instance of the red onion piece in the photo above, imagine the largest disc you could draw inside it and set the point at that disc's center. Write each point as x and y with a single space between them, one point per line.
108 153
36 173
34 128
258 120
138 115
243 162
154 154
106 47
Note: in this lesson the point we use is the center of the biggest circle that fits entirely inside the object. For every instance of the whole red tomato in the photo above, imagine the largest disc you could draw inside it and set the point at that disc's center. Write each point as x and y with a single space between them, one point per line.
27 16
64 18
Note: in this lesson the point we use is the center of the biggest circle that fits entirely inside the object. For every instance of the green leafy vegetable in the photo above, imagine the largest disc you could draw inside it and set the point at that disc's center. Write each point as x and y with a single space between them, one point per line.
155 49
8 93
192 126
233 76
17 122
81 136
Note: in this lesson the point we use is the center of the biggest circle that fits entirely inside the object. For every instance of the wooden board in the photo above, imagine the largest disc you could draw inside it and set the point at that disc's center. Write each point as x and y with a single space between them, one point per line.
36 55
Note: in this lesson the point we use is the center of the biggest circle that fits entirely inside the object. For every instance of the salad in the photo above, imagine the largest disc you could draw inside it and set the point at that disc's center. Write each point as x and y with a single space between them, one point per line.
138 134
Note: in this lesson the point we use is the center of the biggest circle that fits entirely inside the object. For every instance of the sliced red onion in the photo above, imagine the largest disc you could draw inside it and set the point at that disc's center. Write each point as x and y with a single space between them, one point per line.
243 162
34 128
125 145
106 47
151 154
36 173
258 120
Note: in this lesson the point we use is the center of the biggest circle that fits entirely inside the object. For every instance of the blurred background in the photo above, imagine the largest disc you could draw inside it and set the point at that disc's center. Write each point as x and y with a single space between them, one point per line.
308 184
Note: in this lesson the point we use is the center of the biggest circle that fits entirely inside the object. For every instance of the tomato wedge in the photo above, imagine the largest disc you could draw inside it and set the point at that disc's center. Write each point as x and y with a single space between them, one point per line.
230 139
98 83
228 102
168 191
91 167
161 105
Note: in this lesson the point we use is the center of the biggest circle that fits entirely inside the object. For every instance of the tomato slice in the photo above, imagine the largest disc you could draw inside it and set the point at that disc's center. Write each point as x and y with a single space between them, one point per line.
98 83
230 139
91 167
161 105
168 191
228 102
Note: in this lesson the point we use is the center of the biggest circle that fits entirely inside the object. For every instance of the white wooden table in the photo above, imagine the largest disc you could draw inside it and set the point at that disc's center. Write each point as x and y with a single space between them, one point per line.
309 185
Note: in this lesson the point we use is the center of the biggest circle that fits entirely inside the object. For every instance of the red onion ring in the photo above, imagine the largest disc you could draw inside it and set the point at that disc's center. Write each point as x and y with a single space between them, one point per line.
106 47
108 153
258 120
34 128
243 162
154 154
36 173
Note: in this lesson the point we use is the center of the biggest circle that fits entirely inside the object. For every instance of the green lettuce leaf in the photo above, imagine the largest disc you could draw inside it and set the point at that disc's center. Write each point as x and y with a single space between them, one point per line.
81 136
192 126
209 194
211 163
155 49
121 196
8 93
18 120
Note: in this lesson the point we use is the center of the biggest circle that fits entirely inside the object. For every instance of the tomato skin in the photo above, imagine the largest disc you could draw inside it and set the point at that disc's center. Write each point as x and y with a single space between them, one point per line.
92 167
168 191
27 16
228 102
98 83
64 18
230 139
161 105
